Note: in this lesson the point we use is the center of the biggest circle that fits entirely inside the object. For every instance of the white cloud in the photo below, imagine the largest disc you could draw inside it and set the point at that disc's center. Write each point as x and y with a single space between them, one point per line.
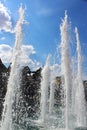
36 65
55 71
5 19
5 53
27 50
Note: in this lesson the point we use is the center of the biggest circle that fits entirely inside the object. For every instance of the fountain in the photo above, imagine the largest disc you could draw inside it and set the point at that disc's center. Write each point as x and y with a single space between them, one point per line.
74 110
14 79
51 101
45 83
66 68
80 95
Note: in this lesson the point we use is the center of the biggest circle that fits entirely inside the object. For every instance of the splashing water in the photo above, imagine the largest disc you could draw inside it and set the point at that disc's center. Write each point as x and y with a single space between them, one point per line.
14 79
80 95
44 89
51 100
65 67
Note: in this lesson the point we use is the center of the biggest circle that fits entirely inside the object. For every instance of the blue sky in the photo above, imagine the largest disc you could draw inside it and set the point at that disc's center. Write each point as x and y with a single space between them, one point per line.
43 30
